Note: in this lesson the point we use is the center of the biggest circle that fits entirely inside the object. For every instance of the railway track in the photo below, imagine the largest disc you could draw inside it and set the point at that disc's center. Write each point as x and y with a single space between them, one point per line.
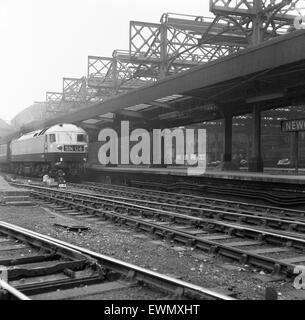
38 267
277 198
273 251
289 198
182 199
274 217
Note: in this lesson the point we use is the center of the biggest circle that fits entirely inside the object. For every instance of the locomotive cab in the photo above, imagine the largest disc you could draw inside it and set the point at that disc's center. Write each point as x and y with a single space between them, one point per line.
66 147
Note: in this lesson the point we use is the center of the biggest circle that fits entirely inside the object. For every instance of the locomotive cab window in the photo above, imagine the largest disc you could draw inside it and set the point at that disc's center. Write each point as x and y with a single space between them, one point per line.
52 137
81 138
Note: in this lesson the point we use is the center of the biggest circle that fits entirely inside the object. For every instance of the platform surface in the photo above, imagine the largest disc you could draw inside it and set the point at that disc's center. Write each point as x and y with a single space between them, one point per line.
7 189
5 186
271 175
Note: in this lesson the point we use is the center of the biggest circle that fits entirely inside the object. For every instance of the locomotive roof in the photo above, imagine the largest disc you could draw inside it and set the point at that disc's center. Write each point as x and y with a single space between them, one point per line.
63 127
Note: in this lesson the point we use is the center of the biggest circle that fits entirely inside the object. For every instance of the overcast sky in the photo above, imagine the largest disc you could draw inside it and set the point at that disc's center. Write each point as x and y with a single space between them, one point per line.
43 41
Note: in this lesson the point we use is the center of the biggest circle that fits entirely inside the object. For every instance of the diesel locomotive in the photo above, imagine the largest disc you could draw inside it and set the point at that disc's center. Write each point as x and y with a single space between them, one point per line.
60 147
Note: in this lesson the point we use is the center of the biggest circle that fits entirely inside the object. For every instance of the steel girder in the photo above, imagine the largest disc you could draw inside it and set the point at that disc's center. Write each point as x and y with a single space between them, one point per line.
157 50
54 104
118 74
76 94
74 90
259 20
178 43
73 96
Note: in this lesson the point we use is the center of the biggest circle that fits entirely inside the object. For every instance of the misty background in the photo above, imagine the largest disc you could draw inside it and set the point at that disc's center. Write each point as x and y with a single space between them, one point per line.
43 41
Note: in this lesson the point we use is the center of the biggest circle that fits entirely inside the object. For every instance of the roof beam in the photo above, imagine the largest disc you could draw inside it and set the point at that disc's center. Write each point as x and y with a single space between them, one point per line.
162 105
131 114
88 126
266 97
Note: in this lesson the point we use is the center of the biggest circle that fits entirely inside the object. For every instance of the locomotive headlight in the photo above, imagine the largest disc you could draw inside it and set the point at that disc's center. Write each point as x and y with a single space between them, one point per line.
59 147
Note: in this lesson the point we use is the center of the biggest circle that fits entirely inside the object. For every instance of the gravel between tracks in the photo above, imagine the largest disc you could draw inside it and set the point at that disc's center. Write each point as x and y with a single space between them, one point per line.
143 250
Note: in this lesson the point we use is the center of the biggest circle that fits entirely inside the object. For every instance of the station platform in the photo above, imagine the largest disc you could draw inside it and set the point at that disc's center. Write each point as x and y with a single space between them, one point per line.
5 186
271 175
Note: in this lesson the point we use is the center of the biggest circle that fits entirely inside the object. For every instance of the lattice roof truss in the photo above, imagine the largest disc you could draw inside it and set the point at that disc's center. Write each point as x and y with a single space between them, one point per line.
178 43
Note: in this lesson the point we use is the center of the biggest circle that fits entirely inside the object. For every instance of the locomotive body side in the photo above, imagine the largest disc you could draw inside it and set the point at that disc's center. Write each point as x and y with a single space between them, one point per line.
28 148
3 153
61 146
5 156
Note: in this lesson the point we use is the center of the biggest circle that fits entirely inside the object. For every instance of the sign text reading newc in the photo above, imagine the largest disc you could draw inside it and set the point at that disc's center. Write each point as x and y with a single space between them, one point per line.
293 125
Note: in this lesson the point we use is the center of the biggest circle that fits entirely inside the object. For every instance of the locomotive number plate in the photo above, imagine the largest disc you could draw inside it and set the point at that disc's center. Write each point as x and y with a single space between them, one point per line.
74 148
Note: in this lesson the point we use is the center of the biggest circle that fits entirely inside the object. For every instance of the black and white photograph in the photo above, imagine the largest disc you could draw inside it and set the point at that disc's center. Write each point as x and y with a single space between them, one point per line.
152 153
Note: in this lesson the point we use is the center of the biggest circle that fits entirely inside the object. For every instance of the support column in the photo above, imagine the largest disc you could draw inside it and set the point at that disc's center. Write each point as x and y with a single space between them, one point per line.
256 162
296 151
93 147
257 35
227 163
92 134
217 151
227 157
163 51
291 148
115 77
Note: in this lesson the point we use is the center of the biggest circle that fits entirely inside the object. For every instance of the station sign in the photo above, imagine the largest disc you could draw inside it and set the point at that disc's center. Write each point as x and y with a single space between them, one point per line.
293 125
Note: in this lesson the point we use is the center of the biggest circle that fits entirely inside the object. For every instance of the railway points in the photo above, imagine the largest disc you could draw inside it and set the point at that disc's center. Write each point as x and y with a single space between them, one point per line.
188 229
58 265
219 274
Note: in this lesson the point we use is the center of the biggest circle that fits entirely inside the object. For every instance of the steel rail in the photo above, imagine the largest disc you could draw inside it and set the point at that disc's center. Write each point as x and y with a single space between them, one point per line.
182 218
138 273
76 258
64 259
197 223
211 246
12 291
220 215
230 190
173 196
39 242
208 202
185 218
245 256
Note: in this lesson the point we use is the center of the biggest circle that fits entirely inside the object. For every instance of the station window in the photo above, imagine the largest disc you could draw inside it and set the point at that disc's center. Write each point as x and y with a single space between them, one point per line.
81 138
52 137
